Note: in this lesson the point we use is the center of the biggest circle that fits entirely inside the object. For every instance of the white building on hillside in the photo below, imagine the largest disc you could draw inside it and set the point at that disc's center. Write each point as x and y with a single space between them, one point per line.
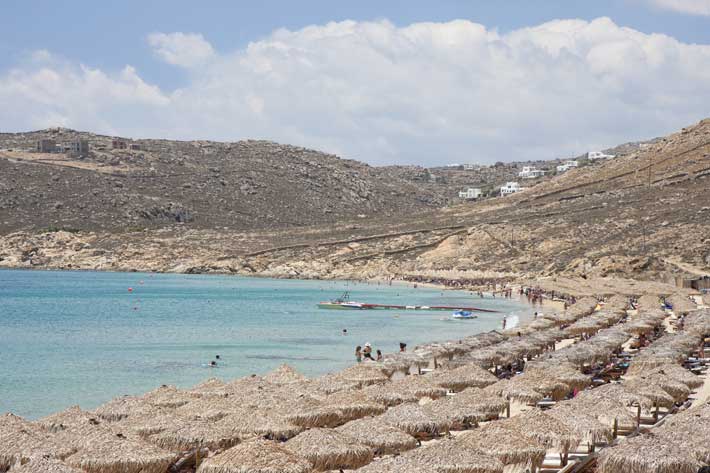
510 188
472 193
530 172
567 166
593 155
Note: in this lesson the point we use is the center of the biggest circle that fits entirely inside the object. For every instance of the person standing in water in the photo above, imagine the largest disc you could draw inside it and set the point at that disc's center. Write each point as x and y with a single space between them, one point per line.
358 353
367 351
505 321
379 355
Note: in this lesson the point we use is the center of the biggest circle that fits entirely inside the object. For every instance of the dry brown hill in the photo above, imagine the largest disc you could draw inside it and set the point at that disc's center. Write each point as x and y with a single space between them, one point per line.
646 214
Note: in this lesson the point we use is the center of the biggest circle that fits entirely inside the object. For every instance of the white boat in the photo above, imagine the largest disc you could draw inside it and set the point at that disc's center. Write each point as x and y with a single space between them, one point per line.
463 314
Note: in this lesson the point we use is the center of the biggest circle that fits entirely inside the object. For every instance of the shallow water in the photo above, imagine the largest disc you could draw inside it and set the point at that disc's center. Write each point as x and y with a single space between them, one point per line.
70 338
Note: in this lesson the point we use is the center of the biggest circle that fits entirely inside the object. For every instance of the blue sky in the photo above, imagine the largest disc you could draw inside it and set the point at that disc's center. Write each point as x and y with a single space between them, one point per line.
402 76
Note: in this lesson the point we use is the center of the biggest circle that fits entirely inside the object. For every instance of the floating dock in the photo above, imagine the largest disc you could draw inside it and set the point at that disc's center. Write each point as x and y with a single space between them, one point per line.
366 306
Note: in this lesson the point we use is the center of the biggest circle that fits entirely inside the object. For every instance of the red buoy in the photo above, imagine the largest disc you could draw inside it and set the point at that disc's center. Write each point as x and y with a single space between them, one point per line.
130 289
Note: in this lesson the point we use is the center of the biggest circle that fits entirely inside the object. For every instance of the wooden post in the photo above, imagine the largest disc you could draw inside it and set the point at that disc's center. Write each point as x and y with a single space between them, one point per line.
655 414
507 409
616 428
638 417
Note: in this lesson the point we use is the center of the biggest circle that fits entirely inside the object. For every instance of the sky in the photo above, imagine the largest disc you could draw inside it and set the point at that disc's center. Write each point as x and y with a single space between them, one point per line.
394 82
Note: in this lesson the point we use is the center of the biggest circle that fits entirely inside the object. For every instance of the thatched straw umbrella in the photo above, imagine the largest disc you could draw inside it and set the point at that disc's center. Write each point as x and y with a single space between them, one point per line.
610 412
449 457
195 434
284 374
123 407
327 449
585 425
408 389
21 440
416 421
670 370
383 438
261 423
677 389
545 428
256 456
308 412
459 415
647 454
649 301
44 465
326 384
398 464
619 393
522 388
482 401
653 392
354 404
681 304
505 444
167 396
364 374
497 388
463 377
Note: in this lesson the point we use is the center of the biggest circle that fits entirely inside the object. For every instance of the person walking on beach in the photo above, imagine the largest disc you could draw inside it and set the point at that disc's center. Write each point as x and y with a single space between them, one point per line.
358 353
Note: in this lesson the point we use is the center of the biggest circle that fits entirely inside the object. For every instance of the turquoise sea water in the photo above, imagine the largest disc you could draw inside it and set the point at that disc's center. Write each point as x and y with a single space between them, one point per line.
70 338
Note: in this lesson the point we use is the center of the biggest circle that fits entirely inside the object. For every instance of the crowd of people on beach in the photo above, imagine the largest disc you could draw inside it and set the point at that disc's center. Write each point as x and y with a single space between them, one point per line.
365 354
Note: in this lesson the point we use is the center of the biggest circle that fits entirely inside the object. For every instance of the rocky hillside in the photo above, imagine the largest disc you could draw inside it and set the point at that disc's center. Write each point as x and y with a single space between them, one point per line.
204 185
646 214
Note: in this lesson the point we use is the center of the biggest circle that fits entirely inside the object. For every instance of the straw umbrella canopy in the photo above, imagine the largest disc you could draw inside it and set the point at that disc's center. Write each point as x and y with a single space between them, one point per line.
544 428
649 301
484 402
284 374
618 392
655 393
44 465
563 372
463 377
523 388
21 440
459 415
647 454
123 407
451 458
408 389
354 404
256 456
497 388
326 384
309 412
327 449
268 424
398 464
681 304
364 374
415 420
100 450
383 438
585 425
607 410
679 391
196 434
167 396
505 444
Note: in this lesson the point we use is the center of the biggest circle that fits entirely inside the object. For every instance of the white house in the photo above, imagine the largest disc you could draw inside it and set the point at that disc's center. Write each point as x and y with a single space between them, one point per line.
567 166
510 188
593 155
472 193
530 172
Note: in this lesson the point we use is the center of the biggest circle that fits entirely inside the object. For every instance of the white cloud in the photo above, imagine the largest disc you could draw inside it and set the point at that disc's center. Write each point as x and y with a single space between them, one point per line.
691 7
428 93
181 49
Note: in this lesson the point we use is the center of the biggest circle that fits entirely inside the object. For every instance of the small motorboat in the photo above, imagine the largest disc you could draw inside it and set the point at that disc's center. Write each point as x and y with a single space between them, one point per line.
342 302
463 314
